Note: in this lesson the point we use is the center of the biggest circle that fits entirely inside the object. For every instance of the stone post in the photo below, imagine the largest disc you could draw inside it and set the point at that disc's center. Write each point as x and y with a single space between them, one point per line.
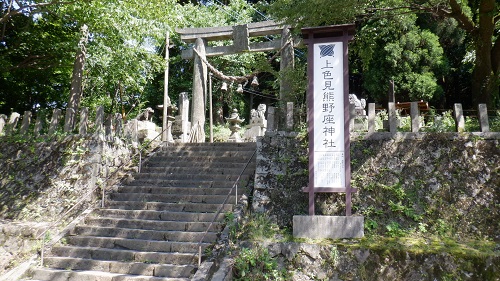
38 125
134 135
270 119
459 117
184 113
99 119
352 116
3 119
26 123
415 117
118 125
483 117
286 64
200 75
84 119
69 120
393 120
371 118
11 126
289 116
108 127
54 122
170 122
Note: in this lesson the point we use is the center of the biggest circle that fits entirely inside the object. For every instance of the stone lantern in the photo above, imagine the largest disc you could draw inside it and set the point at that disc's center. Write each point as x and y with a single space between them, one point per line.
234 125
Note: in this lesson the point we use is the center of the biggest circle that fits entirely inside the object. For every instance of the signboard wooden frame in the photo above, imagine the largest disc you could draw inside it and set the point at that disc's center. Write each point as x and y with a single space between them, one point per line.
329 40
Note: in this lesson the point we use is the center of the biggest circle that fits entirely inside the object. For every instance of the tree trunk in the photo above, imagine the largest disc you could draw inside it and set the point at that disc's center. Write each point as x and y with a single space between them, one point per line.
484 83
495 61
77 77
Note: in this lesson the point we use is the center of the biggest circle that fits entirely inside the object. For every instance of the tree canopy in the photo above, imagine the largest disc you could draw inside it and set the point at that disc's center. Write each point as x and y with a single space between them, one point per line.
124 54
479 19
443 51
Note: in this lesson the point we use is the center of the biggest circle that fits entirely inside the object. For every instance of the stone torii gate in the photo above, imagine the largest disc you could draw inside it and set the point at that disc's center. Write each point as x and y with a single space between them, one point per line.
240 35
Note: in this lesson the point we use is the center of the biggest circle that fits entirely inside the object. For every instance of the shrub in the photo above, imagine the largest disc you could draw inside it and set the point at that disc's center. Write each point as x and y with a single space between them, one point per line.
256 264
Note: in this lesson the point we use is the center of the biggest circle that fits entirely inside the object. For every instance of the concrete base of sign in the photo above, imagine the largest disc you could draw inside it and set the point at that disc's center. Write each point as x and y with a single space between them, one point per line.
334 227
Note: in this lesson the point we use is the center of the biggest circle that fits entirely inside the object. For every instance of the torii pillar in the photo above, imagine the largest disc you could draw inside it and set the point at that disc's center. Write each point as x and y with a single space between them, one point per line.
200 75
287 63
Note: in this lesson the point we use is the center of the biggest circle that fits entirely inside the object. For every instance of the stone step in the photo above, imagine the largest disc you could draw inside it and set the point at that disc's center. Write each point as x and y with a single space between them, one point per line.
154 225
158 235
151 226
207 160
175 207
192 177
135 244
175 190
185 183
213 146
124 255
169 169
171 198
156 215
130 268
206 153
47 274
153 162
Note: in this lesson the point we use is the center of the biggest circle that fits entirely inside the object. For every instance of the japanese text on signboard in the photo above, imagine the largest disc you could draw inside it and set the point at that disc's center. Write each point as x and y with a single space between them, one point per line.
329 166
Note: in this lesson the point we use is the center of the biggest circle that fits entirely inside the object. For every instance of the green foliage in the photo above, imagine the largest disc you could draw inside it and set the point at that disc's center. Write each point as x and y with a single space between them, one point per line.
371 224
124 55
404 122
443 123
122 52
36 57
397 49
316 12
495 122
221 133
256 264
390 44
259 227
394 229
472 124
380 117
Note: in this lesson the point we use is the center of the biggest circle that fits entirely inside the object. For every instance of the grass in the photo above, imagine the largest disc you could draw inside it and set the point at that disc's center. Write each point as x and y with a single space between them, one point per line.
259 227
416 245
430 245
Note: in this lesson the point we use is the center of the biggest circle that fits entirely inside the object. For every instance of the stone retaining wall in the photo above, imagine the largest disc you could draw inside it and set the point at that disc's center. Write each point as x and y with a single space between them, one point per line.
40 181
443 183
343 262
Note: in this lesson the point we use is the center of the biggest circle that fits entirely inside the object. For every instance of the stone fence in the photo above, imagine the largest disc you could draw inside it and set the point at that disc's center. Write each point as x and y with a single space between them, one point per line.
291 118
287 118
109 126
416 118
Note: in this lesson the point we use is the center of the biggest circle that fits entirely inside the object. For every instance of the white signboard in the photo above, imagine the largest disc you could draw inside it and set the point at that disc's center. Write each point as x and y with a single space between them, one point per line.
329 163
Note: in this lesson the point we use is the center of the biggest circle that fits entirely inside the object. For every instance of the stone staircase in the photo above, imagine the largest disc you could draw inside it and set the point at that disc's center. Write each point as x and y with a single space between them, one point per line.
151 226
